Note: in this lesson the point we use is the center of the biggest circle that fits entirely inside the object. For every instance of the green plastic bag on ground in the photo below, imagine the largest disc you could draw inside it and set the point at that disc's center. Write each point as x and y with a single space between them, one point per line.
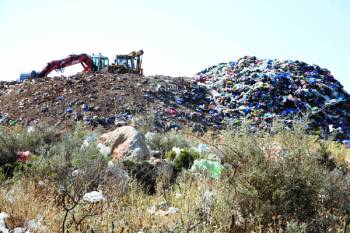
12 122
213 168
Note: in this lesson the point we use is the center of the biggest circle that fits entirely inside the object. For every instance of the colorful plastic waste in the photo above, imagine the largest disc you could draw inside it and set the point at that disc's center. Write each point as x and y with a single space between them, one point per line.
69 110
23 156
262 90
12 122
213 168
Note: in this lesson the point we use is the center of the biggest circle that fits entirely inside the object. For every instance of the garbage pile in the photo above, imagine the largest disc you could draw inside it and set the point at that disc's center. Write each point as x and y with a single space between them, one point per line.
264 90
102 99
222 96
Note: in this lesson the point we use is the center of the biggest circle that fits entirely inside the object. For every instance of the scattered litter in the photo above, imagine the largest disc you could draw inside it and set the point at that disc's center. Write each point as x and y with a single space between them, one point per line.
94 197
264 90
213 168
163 209
23 156
222 96
177 151
3 228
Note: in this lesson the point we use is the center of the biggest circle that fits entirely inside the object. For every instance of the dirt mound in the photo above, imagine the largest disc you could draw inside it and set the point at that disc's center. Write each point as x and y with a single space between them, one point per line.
100 99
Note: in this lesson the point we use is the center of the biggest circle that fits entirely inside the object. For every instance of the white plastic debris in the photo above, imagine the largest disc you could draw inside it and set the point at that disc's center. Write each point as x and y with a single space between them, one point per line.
177 150
19 230
173 210
162 211
94 197
3 228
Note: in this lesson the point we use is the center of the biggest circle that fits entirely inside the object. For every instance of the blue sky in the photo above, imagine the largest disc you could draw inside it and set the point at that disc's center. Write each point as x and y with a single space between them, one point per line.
179 37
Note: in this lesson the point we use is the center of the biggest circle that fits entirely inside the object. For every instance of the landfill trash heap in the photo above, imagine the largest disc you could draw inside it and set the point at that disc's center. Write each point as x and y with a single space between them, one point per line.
223 96
265 90
102 99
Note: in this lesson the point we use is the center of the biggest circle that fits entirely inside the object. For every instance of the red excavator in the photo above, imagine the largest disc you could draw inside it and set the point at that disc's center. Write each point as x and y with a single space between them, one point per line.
123 64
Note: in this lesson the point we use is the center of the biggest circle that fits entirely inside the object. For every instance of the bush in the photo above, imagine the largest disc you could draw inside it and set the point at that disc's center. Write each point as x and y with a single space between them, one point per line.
284 181
184 160
166 141
295 190
144 172
18 139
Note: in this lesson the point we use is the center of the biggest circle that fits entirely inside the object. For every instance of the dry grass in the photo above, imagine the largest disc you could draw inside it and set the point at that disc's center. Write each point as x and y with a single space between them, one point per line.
25 200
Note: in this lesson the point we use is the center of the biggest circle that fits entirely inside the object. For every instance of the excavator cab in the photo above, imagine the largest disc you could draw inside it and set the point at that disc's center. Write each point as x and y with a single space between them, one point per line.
100 62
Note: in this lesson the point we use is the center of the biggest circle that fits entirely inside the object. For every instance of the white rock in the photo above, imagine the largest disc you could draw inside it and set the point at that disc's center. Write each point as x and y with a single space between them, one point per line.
125 142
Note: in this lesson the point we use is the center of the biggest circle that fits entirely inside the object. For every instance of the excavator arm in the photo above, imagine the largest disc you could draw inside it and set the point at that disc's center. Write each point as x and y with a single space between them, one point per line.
73 59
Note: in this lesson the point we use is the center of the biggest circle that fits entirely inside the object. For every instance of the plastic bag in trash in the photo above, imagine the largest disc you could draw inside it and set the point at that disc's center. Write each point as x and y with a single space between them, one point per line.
213 168
93 197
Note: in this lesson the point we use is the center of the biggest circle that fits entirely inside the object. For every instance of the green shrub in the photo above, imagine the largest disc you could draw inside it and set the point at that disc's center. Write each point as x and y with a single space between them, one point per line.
299 190
166 141
184 159
170 155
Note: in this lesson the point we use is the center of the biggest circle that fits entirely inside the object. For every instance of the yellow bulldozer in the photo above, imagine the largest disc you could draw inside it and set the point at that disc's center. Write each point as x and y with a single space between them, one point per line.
130 63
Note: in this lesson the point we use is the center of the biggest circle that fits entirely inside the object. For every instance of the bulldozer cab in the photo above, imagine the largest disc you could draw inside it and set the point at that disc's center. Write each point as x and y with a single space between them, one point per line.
100 62
129 63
